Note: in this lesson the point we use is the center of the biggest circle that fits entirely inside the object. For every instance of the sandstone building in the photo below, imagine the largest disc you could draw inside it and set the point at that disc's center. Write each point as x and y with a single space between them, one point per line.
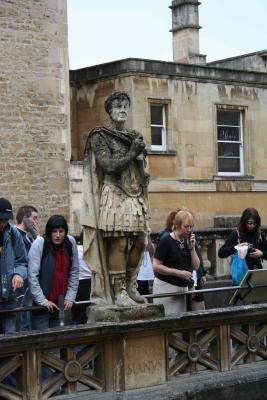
204 124
34 96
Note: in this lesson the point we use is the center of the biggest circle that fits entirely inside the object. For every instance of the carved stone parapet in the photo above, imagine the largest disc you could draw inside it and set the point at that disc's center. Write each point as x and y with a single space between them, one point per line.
72 371
194 352
253 343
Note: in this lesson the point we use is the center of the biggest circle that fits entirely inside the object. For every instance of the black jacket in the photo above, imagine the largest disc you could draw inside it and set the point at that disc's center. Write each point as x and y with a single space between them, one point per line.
257 242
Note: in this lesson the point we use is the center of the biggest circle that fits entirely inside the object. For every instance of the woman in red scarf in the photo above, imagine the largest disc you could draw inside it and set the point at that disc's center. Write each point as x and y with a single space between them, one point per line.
53 272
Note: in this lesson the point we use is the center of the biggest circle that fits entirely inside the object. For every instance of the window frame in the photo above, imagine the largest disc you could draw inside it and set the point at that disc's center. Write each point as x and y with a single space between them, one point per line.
163 127
240 111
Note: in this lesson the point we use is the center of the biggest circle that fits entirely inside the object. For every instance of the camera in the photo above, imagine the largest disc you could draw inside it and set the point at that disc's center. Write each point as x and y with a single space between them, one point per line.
251 249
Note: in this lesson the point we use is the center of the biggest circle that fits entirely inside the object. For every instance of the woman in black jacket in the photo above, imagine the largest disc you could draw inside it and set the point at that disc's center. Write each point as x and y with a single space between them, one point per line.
249 233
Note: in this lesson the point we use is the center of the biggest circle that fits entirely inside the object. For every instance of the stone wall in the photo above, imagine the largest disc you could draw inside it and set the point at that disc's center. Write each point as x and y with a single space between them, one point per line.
34 110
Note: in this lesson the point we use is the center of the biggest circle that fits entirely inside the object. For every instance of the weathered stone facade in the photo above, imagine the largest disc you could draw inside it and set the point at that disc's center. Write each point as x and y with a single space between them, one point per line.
250 62
34 96
186 173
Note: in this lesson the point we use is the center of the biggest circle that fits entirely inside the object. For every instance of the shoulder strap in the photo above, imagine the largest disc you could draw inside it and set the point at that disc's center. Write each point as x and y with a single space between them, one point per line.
69 247
12 236
45 250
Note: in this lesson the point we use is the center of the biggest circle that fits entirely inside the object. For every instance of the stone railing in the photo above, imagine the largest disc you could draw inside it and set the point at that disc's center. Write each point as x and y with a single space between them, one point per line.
114 357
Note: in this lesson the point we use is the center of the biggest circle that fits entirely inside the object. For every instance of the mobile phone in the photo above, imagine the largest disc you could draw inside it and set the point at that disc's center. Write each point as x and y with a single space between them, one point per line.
189 241
30 227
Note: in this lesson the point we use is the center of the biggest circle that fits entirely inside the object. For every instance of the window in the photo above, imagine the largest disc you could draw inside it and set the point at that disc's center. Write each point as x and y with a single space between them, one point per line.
230 142
158 126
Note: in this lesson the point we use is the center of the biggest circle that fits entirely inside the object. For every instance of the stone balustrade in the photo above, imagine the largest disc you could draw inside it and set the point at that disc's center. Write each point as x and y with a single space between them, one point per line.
85 362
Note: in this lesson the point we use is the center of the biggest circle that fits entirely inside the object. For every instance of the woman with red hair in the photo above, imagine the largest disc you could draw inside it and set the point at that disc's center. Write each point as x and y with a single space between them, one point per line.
174 261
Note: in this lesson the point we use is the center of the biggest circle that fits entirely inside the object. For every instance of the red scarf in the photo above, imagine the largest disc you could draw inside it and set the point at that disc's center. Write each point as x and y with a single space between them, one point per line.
61 275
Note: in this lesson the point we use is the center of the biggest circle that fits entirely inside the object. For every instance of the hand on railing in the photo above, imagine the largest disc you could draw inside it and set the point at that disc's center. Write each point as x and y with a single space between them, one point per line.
51 306
68 304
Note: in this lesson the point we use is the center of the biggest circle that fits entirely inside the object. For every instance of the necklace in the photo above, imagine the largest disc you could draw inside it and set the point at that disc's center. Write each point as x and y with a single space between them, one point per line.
180 241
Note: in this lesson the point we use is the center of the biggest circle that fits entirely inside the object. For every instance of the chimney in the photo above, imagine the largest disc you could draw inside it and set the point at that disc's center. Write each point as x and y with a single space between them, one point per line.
185 32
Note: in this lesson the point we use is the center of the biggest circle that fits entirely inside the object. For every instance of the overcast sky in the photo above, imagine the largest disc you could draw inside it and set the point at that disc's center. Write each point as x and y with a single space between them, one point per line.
107 30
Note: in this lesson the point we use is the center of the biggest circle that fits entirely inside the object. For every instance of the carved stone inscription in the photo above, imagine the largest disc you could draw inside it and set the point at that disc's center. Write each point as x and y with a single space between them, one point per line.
145 363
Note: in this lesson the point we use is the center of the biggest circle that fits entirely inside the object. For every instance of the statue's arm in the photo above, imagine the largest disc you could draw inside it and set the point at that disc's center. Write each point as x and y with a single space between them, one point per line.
104 156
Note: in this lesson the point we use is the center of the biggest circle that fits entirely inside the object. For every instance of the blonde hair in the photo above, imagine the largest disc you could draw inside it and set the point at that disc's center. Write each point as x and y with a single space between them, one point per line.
180 216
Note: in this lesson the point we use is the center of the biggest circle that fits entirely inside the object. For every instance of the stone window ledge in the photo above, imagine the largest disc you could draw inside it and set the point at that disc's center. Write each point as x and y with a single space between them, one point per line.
233 177
162 152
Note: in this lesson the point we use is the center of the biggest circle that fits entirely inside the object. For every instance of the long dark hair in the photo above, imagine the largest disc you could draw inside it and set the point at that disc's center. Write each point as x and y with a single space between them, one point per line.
54 222
249 213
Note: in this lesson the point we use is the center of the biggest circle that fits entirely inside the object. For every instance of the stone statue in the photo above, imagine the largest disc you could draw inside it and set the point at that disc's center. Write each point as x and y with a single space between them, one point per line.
115 206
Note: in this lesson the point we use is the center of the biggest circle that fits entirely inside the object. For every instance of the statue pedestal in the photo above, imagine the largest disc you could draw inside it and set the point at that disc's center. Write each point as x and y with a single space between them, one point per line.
133 361
124 314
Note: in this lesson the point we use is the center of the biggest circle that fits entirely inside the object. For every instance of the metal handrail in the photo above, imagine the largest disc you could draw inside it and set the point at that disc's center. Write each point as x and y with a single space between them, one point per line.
212 290
147 296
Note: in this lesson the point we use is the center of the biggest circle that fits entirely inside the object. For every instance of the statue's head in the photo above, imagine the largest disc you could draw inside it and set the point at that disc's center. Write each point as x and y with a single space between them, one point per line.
119 96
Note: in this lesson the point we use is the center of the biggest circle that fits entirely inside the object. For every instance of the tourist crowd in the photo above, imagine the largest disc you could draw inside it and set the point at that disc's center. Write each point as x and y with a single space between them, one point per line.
39 270
48 271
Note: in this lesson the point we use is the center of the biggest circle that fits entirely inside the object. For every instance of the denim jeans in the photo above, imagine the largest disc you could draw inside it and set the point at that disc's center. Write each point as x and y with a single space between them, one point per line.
8 321
24 316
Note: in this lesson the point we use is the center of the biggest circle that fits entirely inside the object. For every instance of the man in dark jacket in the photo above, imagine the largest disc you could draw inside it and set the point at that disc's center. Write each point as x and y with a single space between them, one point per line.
27 224
13 266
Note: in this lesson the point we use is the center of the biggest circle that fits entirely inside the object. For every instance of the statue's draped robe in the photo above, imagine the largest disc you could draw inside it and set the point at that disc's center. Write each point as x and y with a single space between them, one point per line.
114 201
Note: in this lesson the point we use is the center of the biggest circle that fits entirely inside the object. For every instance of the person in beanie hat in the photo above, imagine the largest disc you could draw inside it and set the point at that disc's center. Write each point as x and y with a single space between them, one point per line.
13 266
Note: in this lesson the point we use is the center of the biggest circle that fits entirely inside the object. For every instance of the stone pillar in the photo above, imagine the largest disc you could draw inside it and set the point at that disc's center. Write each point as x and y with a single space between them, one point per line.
185 30
222 267
204 251
34 113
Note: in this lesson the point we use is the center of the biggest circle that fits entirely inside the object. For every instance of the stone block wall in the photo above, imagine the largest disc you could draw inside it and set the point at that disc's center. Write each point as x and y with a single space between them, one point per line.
34 105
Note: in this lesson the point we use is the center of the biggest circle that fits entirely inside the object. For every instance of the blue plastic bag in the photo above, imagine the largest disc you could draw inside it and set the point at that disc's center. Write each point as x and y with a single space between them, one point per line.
239 268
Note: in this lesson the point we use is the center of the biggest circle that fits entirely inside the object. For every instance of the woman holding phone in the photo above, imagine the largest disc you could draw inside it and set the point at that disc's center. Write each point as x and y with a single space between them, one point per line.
174 261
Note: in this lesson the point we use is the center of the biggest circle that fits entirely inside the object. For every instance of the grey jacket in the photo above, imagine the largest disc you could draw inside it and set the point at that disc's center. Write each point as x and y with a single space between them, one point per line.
34 267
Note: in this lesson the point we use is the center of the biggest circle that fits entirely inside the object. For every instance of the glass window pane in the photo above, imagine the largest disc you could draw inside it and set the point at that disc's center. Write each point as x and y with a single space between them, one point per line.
229 164
228 117
228 133
228 149
156 136
156 114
